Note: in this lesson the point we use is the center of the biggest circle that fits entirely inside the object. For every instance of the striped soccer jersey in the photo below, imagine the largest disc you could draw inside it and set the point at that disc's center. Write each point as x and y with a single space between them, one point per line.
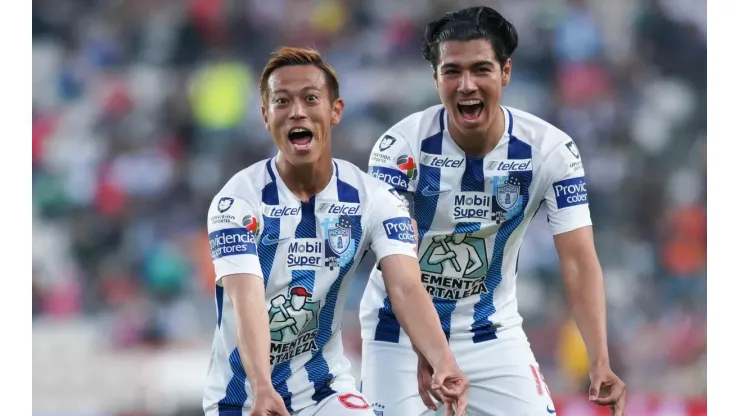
472 214
305 252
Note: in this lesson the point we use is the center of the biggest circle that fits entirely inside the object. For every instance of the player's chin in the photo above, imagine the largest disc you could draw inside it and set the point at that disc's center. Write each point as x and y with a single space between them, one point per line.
302 155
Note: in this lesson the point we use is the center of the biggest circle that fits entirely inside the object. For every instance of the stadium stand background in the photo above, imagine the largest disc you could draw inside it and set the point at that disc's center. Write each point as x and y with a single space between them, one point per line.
142 109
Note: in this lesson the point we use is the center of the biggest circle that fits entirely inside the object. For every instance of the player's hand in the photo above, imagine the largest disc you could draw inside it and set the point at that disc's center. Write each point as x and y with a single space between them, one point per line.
424 383
267 402
450 382
608 390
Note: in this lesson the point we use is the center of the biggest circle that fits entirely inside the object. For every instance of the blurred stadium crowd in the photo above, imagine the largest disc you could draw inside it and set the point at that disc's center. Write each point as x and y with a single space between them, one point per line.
142 109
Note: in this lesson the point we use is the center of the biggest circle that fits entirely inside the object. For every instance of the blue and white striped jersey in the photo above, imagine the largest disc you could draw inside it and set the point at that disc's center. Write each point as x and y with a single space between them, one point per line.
305 252
472 214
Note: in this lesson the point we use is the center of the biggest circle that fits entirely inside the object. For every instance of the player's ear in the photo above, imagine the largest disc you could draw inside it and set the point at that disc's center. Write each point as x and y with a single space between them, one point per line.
337 108
506 72
264 117
434 77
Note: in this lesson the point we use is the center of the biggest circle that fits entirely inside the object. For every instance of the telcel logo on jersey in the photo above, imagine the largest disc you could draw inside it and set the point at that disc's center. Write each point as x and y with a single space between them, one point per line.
399 229
338 208
230 242
280 211
390 176
305 254
472 206
517 165
570 192
435 161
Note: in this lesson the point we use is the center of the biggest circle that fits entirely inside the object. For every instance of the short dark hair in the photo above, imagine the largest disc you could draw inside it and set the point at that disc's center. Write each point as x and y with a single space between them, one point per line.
469 24
289 56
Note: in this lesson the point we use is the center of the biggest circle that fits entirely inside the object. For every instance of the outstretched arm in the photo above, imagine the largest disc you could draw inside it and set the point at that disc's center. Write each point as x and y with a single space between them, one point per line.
247 294
584 285
570 222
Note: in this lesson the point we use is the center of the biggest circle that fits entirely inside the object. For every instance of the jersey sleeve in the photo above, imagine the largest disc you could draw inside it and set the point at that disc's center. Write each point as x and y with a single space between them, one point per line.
393 162
390 226
233 227
567 193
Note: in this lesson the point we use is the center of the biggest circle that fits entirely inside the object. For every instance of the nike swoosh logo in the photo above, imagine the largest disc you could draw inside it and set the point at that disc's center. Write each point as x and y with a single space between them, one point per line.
550 411
432 192
266 240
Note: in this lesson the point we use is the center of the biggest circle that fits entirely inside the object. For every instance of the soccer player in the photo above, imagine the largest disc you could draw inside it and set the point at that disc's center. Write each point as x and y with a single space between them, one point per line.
475 174
286 235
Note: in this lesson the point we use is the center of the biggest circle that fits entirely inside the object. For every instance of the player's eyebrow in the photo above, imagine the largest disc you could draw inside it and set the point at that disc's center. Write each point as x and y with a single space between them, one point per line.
304 89
476 64
482 63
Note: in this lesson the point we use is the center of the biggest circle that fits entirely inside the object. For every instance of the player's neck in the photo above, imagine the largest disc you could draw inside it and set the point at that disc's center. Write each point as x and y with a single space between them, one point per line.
306 181
479 144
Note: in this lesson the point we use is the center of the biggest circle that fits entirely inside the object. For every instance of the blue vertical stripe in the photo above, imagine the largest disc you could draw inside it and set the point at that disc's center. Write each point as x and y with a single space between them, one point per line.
219 304
236 394
306 279
482 328
271 227
472 181
271 196
317 367
388 328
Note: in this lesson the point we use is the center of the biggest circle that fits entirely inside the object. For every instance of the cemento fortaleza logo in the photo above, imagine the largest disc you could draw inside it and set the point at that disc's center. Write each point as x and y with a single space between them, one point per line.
293 325
454 266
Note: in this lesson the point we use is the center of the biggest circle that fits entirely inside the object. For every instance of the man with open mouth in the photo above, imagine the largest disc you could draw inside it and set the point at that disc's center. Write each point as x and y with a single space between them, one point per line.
286 236
474 174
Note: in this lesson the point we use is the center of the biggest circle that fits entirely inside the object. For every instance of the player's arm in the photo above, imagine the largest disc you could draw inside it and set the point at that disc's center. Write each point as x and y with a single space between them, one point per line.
570 223
413 307
247 294
233 226
394 244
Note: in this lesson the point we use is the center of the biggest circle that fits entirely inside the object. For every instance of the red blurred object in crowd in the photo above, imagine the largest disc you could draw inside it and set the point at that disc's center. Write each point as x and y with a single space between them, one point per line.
41 132
637 405
109 198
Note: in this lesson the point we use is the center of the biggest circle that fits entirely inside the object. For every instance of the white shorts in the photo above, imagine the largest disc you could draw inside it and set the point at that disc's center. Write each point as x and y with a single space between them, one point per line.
504 378
347 402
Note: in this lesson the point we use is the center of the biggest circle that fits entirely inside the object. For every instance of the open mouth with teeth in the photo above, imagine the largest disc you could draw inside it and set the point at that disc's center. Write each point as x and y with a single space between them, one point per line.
470 109
300 137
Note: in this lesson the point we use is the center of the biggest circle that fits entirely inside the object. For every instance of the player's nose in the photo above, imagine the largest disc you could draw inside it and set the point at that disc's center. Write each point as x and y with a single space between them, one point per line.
297 111
467 84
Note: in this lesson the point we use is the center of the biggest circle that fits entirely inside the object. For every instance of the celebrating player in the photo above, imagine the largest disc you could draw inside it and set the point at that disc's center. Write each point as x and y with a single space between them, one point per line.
286 234
474 174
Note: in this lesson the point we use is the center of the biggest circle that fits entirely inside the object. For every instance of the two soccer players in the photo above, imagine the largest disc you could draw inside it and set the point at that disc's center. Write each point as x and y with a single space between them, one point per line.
474 174
286 235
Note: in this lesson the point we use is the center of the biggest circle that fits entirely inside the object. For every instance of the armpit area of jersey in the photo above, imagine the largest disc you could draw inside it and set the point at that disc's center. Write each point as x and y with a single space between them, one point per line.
409 197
